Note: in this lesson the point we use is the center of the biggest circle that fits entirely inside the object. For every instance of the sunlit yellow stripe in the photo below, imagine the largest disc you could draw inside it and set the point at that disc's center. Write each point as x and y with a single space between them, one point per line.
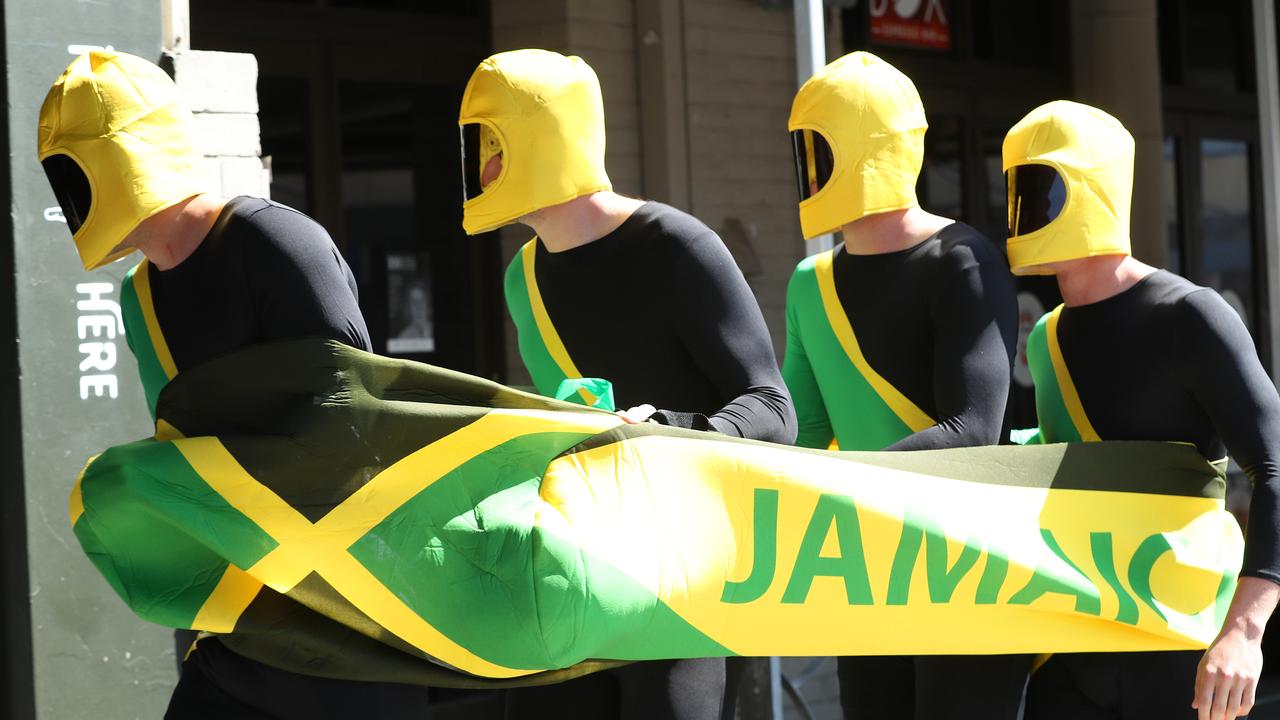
227 602
322 547
550 338
401 482
357 584
142 286
165 431
210 459
77 495
912 416
1068 388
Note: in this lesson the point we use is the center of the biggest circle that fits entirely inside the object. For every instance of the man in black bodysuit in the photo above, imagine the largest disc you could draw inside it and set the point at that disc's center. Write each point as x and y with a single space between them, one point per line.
634 292
1144 355
217 275
901 338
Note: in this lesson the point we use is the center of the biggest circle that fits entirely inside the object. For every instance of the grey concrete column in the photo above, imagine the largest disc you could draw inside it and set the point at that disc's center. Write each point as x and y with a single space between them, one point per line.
1116 66
1264 43
664 131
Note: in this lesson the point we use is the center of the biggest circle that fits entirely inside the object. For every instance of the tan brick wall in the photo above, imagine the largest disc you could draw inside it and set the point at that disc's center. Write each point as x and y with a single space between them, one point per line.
740 75
524 24
602 32
739 62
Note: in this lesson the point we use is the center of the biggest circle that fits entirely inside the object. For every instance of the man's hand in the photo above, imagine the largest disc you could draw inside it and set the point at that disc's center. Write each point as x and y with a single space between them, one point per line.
1227 678
637 414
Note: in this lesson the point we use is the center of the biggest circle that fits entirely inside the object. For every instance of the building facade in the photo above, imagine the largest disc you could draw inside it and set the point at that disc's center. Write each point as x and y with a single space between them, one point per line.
354 121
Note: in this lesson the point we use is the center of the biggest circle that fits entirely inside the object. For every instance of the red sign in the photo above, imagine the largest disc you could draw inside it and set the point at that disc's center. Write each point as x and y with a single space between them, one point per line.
912 23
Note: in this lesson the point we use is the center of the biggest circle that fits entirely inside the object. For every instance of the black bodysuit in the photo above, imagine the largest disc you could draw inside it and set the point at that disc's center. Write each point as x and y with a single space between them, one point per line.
1169 360
659 308
939 321
264 272
1165 360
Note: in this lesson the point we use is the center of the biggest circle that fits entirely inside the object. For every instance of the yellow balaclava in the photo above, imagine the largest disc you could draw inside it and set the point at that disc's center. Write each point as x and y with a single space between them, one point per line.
867 119
1069 176
116 146
543 112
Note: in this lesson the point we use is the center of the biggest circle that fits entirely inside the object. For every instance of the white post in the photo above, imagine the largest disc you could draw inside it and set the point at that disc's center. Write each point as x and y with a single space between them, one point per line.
811 55
177 25
1264 40
811 39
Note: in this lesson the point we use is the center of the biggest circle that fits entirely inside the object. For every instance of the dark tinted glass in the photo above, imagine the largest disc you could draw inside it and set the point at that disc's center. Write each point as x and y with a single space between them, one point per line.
471 161
71 187
814 161
1036 196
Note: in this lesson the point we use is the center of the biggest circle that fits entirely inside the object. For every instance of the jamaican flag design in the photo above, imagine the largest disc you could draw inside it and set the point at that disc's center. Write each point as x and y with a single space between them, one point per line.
341 514
827 373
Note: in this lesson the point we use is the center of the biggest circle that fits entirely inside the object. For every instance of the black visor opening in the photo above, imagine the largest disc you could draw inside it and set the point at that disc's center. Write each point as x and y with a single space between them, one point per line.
814 162
71 188
470 161
1036 194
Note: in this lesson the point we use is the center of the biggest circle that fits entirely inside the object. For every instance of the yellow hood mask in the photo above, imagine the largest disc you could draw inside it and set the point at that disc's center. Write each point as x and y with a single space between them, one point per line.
543 112
1069 177
116 146
858 131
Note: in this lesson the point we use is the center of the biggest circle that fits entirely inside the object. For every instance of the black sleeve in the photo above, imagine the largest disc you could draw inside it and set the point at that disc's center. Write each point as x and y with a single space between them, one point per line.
719 321
1227 380
302 284
975 316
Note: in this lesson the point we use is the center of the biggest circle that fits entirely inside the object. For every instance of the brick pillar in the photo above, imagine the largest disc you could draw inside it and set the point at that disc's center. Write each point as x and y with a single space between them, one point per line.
1116 63
221 89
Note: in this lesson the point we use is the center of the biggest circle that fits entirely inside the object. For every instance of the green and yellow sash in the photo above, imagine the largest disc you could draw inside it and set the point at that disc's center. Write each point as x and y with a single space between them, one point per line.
866 411
1061 415
345 515
143 333
553 371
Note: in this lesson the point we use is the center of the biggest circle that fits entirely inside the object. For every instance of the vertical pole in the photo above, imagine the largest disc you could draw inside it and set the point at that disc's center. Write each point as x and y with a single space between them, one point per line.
811 56
775 686
177 25
1264 42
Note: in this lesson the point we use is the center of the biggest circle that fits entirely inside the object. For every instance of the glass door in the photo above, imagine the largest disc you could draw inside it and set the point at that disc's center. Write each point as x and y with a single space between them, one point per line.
1211 198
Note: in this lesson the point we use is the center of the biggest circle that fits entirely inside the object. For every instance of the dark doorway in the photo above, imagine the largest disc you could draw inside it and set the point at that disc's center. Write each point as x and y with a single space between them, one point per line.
358 108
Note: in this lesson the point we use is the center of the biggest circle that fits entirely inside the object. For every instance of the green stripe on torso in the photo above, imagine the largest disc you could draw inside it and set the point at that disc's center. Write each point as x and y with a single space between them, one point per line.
861 419
150 370
1055 421
546 374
